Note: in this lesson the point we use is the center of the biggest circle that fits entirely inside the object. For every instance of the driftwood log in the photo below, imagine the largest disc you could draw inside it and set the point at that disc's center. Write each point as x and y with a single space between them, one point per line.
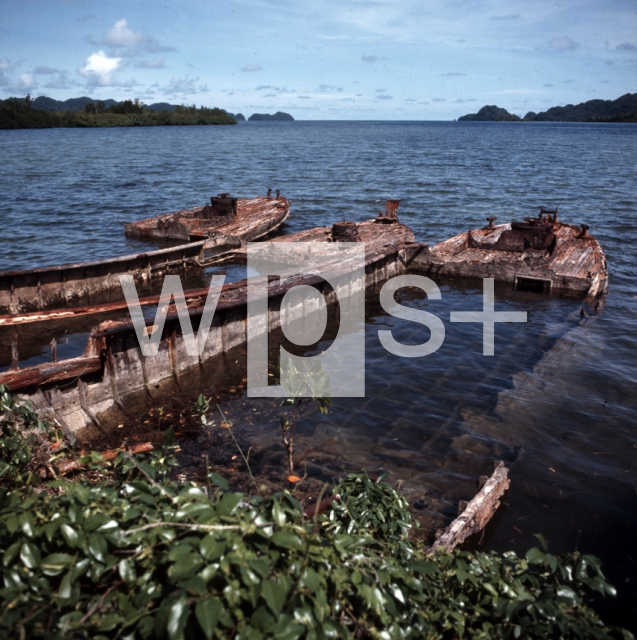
111 454
477 512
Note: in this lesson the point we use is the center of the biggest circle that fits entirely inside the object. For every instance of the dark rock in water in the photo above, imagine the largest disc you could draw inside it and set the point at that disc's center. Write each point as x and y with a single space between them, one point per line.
491 113
279 116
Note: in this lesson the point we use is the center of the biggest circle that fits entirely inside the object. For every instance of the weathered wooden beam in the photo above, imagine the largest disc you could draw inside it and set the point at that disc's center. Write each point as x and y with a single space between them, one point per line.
78 312
477 513
50 372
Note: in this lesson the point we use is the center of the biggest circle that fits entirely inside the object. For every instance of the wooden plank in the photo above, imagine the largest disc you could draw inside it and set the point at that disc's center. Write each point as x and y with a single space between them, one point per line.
77 312
50 372
477 513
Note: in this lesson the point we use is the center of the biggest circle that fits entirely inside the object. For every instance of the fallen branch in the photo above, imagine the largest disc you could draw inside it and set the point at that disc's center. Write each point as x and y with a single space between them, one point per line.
477 513
111 454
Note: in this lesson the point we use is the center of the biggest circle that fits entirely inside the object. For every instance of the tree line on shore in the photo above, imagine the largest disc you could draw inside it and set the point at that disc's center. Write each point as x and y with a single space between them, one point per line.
16 113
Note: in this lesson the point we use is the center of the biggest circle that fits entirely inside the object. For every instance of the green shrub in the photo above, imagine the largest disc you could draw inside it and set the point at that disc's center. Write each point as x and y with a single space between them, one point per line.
141 556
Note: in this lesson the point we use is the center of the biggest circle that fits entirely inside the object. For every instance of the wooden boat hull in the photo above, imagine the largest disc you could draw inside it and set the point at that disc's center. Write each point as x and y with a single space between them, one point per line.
97 282
95 391
254 219
573 262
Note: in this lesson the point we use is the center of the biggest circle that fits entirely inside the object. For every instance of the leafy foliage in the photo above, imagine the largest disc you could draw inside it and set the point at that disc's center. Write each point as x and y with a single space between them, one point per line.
141 556
15 449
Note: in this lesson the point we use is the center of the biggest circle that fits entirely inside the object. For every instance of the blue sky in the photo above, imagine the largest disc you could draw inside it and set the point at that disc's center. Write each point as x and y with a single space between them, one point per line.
327 59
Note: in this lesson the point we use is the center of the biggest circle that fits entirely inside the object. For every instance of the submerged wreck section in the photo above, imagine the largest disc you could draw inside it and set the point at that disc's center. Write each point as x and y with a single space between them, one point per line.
89 283
96 390
217 230
247 219
541 254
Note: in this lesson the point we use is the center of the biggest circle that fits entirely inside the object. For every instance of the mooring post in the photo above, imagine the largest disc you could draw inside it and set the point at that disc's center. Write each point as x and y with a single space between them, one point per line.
54 350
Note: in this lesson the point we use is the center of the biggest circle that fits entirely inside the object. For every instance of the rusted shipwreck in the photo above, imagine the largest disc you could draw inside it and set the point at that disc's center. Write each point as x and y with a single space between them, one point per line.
245 219
97 282
98 389
541 254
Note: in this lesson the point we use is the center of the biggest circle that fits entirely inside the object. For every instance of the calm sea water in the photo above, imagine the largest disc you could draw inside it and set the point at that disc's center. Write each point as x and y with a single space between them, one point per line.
558 401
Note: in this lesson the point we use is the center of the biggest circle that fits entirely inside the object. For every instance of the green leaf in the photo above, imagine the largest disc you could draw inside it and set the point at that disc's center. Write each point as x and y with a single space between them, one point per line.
228 503
65 590
55 563
207 612
274 595
169 436
127 571
211 548
70 535
10 554
185 567
177 617
542 541
97 546
220 481
286 539
423 566
30 555
278 514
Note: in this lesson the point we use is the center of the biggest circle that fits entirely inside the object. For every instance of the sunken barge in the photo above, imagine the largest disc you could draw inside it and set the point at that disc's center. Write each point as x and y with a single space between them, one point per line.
540 254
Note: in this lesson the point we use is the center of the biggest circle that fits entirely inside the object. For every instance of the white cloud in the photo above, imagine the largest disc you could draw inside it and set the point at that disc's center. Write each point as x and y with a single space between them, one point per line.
5 65
184 86
156 63
120 35
250 68
563 43
453 73
26 82
369 58
99 69
384 96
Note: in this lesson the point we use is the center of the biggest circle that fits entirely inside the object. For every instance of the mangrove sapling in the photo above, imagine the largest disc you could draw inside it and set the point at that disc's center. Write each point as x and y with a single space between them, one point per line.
203 407
305 387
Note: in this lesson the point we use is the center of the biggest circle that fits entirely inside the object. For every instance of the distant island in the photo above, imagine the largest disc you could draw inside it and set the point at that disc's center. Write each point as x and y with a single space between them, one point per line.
624 109
491 113
279 116
45 113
